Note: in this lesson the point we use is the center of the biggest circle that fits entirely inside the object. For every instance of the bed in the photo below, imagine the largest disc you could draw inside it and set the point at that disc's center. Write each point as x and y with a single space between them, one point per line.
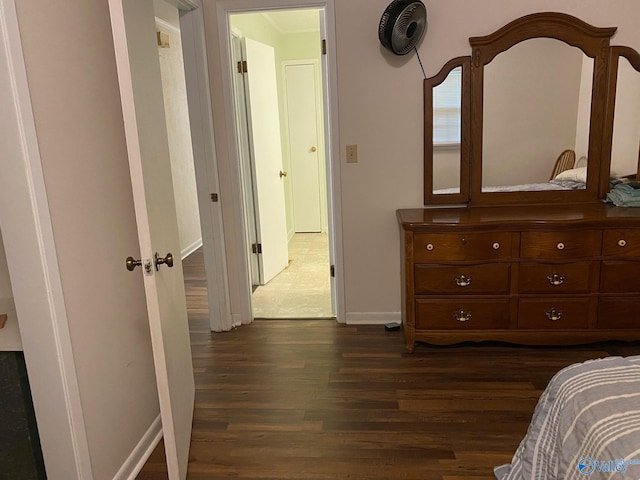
586 421
573 179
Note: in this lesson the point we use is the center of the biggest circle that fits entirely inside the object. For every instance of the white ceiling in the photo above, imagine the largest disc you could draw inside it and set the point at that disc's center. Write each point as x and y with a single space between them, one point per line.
294 21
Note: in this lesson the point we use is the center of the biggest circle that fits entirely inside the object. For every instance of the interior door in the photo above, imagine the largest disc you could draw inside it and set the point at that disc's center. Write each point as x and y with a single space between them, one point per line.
244 155
266 153
138 69
304 148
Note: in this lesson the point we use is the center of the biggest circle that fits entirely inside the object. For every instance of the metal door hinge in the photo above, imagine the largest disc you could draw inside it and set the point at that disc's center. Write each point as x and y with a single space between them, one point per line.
242 66
257 248
332 270
214 197
324 47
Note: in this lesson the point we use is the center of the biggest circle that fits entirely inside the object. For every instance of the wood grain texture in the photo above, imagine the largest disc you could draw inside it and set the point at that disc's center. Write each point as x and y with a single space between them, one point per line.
318 400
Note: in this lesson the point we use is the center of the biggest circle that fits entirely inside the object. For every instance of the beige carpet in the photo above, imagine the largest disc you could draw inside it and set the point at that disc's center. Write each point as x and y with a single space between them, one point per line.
301 290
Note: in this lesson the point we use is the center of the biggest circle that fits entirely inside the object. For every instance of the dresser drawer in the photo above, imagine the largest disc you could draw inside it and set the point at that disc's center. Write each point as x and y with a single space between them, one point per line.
467 279
621 243
618 313
553 313
434 247
457 314
620 277
560 245
555 278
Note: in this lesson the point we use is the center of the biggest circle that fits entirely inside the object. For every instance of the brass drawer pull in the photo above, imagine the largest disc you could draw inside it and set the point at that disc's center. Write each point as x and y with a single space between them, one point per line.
556 279
462 316
496 246
553 314
463 280
560 246
622 242
429 246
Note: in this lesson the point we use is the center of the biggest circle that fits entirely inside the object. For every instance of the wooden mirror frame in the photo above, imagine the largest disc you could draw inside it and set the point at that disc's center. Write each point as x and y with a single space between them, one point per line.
594 42
607 145
465 132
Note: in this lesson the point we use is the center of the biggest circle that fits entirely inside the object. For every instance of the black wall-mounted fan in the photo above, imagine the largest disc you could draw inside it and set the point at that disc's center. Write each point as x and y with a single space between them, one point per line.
402 25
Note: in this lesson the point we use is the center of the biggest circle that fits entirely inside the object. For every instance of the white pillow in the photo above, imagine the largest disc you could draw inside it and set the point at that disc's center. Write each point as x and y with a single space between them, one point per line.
574 175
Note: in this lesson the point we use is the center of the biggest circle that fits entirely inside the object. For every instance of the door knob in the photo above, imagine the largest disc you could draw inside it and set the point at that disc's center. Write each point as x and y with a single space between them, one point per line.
132 264
313 149
167 260
283 174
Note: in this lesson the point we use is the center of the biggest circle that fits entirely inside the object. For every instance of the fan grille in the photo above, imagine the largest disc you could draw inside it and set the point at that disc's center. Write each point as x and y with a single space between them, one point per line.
402 25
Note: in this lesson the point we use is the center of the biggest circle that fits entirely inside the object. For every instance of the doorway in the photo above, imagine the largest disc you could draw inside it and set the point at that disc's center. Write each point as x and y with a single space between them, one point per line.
174 93
280 140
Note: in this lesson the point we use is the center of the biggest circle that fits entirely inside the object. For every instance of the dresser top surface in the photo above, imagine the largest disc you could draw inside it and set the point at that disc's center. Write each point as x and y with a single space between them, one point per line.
566 215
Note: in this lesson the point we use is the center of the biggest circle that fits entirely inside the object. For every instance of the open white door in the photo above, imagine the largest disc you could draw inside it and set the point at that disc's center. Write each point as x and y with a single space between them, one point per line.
266 152
138 68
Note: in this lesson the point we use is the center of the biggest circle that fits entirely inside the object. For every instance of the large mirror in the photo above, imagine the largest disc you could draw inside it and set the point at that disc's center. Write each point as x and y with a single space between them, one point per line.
538 116
537 101
446 98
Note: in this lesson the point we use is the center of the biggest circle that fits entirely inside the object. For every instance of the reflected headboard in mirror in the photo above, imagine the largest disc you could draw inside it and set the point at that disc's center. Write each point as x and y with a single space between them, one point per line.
535 116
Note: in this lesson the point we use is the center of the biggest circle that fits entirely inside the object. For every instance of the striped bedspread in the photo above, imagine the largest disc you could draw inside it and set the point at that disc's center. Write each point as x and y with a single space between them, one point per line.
586 425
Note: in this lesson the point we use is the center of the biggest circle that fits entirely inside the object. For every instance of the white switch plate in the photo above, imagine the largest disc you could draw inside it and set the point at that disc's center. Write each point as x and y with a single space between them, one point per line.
352 153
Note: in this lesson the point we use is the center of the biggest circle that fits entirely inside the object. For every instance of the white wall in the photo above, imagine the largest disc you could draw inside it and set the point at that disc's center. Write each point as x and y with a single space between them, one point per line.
380 109
174 91
70 62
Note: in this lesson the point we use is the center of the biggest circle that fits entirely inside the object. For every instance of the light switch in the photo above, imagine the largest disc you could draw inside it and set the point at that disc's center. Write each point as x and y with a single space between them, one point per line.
352 153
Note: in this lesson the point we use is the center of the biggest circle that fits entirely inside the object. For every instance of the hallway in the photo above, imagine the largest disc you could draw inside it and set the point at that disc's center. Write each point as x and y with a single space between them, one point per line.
302 290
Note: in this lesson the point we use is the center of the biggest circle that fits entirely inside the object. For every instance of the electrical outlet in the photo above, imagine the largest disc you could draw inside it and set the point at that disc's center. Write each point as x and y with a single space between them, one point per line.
352 153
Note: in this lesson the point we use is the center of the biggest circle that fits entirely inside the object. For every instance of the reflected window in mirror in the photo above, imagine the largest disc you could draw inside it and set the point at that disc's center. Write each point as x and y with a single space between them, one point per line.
447 103
447 106
536 106
626 125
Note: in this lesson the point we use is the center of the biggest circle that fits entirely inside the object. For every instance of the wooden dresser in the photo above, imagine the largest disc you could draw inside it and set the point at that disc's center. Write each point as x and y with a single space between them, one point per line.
537 274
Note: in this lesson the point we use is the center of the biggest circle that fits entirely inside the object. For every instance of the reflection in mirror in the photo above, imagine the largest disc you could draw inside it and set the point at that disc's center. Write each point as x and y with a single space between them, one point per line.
626 123
447 107
537 104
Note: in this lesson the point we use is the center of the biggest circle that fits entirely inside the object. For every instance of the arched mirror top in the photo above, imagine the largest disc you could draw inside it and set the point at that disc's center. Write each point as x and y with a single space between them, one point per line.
593 41
590 106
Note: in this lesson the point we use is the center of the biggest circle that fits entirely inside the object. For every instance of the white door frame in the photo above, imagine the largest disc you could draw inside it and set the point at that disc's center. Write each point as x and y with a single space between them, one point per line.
224 8
33 266
196 72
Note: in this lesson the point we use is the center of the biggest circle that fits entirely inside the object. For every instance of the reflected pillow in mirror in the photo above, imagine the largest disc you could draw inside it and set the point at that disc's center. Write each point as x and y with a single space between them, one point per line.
574 175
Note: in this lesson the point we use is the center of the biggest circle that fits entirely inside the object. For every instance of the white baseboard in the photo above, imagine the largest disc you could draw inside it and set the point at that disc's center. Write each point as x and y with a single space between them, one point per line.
372 318
189 249
141 453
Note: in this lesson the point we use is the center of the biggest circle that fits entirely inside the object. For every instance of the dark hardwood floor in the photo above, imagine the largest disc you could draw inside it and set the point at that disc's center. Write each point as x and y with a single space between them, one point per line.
312 399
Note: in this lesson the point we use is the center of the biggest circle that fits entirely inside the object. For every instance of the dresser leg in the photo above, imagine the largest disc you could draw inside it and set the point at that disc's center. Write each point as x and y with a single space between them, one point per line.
409 340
